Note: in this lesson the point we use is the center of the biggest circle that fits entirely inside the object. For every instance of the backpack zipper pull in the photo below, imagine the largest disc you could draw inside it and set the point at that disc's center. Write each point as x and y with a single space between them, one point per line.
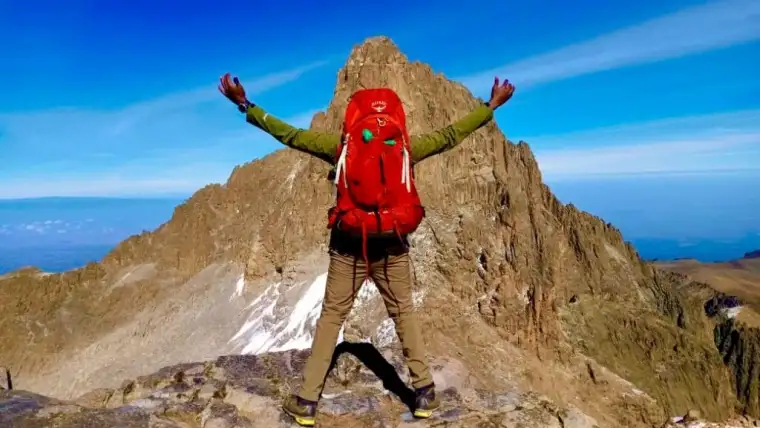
367 135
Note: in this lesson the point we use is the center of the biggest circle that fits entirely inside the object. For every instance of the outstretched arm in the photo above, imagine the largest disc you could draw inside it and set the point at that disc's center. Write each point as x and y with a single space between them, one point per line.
447 138
321 145
317 144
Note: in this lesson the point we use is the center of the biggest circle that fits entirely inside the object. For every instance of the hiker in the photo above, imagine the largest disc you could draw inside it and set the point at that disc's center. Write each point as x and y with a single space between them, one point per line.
377 207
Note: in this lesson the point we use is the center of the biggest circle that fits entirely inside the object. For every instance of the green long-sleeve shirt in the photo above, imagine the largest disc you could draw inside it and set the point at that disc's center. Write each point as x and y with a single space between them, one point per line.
325 145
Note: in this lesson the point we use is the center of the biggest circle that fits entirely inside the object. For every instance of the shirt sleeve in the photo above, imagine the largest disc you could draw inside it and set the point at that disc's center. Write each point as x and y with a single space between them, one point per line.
447 138
319 144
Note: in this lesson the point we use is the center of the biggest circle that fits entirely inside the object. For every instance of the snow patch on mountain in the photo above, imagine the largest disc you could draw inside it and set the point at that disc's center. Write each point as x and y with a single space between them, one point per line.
239 287
284 318
732 312
274 325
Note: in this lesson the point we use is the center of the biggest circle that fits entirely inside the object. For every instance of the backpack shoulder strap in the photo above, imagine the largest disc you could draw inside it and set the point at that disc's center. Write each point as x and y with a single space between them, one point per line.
340 163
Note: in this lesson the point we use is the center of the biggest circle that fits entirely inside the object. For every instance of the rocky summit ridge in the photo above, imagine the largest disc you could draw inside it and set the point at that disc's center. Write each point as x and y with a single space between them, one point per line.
520 296
243 391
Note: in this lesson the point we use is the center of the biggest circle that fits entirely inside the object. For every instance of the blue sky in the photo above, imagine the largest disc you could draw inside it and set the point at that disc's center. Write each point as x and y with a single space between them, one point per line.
646 113
122 100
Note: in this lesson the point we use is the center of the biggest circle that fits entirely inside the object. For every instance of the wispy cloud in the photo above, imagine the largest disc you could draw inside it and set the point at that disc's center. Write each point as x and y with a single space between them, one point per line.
173 144
696 29
96 185
70 231
163 171
36 227
727 142
170 104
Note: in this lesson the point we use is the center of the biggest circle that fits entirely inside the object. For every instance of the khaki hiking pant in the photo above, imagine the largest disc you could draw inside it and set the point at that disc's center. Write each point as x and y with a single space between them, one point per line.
345 276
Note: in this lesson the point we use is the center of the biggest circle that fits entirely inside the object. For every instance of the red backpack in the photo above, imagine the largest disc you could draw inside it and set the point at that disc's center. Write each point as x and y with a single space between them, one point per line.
374 178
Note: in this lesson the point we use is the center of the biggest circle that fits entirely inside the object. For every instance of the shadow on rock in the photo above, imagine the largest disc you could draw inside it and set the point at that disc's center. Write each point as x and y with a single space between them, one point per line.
7 381
371 358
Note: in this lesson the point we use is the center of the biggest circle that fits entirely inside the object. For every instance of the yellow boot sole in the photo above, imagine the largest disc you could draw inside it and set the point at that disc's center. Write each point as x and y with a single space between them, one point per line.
423 414
300 420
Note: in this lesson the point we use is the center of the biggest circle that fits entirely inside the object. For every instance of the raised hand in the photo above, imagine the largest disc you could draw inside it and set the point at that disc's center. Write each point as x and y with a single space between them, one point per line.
232 89
500 94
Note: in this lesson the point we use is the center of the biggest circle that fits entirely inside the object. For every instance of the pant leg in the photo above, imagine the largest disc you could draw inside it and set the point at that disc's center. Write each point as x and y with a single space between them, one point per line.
393 279
344 278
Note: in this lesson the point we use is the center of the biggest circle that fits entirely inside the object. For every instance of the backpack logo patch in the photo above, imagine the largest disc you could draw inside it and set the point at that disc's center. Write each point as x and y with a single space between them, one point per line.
378 106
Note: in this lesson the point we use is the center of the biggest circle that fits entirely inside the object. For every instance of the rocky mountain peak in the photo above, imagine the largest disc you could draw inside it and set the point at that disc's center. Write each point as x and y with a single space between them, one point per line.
510 281
377 50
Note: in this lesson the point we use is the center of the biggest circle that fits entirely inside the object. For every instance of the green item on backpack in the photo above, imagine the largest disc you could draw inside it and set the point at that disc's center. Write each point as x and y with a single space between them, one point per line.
390 142
366 135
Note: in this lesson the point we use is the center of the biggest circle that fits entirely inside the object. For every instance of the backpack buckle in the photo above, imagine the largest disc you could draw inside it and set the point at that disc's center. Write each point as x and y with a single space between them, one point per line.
381 121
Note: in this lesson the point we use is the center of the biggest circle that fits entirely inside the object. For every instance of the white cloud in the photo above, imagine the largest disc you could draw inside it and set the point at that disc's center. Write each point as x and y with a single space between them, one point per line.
169 172
37 227
41 227
720 143
165 105
105 126
171 144
175 181
696 29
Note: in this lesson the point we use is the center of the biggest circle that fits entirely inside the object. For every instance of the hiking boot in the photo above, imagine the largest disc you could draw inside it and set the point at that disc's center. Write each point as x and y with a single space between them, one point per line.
303 411
426 401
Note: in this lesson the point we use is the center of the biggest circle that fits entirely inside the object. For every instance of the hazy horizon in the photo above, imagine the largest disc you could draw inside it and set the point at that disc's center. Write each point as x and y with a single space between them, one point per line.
62 233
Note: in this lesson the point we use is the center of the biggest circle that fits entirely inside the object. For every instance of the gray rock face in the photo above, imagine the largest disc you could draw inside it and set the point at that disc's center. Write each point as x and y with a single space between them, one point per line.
246 391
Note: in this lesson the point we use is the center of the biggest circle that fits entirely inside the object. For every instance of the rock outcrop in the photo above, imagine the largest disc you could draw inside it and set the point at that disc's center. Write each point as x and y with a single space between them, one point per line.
245 392
239 391
5 378
752 254
734 318
518 287
740 347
